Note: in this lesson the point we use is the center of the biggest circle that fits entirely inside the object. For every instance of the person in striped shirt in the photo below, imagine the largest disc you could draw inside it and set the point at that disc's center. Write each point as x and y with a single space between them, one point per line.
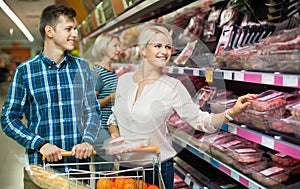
54 91
105 51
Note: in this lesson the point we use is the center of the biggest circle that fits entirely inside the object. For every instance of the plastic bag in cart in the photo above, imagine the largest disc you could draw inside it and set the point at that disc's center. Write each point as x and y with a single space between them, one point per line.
123 145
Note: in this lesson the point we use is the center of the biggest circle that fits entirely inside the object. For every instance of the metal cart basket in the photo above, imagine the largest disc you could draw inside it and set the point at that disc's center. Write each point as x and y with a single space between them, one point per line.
45 177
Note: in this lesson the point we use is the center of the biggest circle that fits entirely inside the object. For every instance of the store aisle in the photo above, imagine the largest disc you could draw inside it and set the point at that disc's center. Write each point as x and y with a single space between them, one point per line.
11 170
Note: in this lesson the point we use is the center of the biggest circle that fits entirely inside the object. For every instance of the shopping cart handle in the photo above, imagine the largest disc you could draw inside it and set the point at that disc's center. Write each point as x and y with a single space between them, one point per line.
66 153
149 149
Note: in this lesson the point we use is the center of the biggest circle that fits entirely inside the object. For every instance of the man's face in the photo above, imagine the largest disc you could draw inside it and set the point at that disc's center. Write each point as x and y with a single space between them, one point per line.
65 33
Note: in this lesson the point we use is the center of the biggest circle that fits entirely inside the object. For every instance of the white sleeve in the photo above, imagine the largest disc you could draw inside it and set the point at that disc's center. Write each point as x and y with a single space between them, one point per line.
112 120
190 112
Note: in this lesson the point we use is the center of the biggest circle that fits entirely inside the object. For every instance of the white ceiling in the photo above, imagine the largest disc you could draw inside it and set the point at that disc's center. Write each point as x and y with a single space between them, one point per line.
28 12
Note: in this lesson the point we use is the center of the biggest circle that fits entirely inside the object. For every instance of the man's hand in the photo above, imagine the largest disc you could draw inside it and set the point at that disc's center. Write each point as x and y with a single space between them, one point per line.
83 150
51 152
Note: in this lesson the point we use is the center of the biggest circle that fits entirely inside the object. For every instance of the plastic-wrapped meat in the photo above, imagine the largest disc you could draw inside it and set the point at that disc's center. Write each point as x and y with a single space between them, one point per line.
285 35
271 176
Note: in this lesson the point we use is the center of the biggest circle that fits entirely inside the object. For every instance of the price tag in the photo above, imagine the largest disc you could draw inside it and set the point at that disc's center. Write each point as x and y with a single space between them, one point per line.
227 75
290 81
239 76
196 72
196 186
206 158
267 142
209 75
267 79
232 129
235 176
251 185
181 70
187 180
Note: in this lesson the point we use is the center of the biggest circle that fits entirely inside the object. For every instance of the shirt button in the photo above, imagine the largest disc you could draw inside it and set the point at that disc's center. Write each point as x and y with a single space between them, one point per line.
62 120
60 103
49 67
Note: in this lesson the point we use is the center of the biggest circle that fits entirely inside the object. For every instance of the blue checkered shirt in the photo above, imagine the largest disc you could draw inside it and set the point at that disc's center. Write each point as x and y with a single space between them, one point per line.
59 104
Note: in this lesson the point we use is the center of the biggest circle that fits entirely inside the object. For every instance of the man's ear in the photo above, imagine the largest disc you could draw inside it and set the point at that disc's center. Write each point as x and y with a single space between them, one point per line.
49 31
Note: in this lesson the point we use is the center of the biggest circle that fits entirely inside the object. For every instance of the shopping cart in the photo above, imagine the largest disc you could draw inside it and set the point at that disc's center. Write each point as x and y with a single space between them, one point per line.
45 177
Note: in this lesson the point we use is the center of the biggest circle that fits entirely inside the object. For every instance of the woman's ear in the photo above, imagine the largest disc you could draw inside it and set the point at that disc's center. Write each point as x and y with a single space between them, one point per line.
143 51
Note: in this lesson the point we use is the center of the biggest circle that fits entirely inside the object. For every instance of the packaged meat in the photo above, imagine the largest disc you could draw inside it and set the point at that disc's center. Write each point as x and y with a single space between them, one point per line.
295 110
283 159
287 125
247 167
220 105
261 125
264 116
123 145
243 118
272 175
221 150
268 100
204 95
246 154
207 140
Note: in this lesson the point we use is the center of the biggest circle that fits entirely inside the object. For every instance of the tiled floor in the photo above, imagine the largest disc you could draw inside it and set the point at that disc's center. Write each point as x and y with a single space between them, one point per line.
11 170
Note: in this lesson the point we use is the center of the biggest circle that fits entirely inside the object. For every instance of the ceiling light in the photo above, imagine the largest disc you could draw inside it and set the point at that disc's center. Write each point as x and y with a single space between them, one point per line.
16 20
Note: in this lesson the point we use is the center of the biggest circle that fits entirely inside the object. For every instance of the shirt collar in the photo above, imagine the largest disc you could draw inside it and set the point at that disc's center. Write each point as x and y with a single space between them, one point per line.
50 62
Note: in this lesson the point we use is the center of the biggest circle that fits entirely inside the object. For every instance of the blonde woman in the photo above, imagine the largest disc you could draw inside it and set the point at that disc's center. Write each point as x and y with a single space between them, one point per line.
146 99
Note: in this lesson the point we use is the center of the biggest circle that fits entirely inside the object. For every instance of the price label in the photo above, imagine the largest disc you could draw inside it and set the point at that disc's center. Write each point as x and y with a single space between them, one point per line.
206 158
209 75
235 176
290 81
239 76
196 186
232 129
251 185
267 79
196 72
227 75
181 70
187 180
267 142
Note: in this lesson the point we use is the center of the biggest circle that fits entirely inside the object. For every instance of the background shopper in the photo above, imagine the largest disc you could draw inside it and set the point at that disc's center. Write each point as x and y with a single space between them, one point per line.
105 51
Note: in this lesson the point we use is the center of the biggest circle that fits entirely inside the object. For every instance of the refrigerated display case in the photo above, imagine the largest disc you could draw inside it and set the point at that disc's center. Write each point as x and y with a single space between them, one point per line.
240 80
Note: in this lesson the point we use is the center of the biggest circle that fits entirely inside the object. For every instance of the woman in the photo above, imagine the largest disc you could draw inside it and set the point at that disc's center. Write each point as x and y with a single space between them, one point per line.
147 98
105 51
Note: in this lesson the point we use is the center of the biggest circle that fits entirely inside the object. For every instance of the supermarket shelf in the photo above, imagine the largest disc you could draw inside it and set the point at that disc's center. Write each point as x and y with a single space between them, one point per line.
143 10
277 79
185 176
265 140
218 164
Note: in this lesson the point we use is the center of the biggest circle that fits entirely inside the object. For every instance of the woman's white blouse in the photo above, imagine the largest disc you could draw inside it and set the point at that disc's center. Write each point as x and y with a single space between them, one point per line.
148 116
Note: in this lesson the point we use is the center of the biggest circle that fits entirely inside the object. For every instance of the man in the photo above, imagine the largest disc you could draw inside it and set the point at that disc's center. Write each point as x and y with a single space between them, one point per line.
55 92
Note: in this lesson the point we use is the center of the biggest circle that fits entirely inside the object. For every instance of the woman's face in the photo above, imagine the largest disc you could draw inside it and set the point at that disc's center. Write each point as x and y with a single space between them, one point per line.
113 49
158 51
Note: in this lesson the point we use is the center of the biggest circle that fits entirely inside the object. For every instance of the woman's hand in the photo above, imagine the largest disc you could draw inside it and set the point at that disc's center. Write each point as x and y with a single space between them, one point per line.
241 104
